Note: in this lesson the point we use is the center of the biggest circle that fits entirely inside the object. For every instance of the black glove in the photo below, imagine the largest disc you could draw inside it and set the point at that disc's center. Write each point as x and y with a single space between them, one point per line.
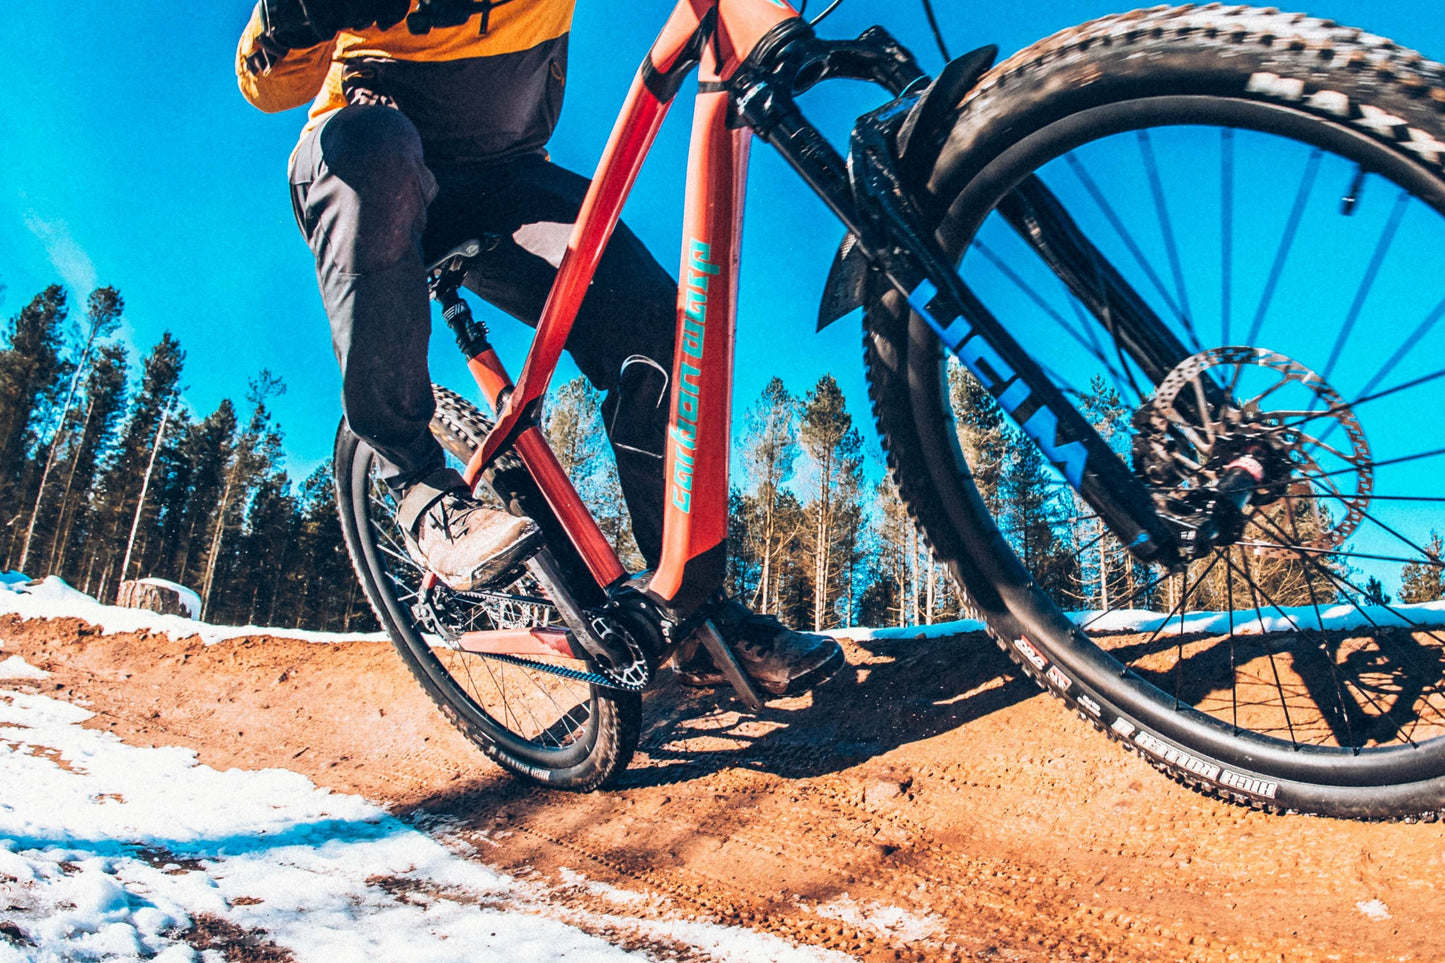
297 24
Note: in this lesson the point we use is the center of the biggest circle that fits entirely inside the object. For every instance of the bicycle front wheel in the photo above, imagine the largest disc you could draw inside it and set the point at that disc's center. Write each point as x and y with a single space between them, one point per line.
540 717
1219 230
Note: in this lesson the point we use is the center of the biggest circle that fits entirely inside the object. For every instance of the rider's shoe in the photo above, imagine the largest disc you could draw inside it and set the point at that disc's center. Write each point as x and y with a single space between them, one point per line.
776 659
466 544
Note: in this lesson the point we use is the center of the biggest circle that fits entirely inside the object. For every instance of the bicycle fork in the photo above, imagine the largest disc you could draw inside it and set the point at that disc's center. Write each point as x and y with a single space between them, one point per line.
888 240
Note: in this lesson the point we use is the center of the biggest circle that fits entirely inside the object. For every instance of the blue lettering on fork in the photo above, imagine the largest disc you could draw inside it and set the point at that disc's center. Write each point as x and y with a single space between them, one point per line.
1000 380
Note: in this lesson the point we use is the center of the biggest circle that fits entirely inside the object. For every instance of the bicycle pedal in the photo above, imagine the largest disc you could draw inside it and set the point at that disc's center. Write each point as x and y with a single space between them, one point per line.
727 663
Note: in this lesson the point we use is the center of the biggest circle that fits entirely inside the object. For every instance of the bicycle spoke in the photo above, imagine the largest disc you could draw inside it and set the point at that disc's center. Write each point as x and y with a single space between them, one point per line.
1339 688
1279 684
1365 399
1349 595
1373 497
1434 559
1226 232
1408 346
1233 659
1321 552
1129 243
1286 243
1382 246
1171 247
1255 592
1340 580
1403 459
1033 295
1120 379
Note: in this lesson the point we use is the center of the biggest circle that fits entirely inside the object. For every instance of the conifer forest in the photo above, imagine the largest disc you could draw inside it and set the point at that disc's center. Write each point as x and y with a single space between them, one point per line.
108 475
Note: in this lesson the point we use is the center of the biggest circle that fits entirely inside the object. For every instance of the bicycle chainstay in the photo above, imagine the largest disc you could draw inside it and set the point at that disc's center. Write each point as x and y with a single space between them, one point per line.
431 609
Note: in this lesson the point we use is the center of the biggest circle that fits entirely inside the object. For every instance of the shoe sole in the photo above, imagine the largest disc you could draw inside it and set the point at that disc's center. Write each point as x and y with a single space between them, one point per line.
506 566
814 677
810 679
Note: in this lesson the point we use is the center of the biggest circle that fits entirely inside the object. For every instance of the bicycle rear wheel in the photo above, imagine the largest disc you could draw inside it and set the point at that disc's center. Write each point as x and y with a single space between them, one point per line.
1219 230
540 717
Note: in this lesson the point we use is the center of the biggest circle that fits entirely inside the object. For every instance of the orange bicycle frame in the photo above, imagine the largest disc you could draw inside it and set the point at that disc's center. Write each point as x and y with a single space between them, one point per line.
718 35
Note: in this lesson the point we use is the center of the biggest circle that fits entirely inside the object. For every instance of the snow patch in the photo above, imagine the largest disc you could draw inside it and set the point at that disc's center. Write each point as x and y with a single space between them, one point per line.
1338 617
1374 909
52 598
113 852
938 630
890 921
17 668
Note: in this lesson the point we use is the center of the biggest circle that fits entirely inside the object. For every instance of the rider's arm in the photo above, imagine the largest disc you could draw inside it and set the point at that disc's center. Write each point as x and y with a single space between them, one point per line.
294 77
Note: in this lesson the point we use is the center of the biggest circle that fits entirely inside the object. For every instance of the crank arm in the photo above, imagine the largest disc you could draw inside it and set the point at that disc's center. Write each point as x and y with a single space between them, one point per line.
544 569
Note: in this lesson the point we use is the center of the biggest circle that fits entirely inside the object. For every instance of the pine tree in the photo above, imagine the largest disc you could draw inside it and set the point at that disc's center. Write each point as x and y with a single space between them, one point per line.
102 314
894 566
325 594
1107 575
835 447
123 472
251 460
98 421
269 562
983 434
574 429
1375 593
1032 520
31 372
769 456
1424 581
203 452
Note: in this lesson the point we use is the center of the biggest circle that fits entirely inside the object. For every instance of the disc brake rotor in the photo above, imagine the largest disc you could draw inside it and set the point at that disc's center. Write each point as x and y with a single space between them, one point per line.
1229 402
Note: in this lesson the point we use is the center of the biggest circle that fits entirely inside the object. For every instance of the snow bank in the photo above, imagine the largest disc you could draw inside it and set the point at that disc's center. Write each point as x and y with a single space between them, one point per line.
1284 619
110 851
53 598
938 630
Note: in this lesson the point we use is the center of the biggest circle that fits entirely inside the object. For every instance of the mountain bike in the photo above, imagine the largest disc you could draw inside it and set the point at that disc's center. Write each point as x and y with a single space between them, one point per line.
1194 254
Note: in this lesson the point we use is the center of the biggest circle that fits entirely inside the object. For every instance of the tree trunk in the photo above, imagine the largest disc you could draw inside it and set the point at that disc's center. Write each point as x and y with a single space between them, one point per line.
216 546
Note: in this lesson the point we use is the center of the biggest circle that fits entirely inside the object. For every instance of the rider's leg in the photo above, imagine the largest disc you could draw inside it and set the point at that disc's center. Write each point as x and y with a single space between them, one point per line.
623 342
623 336
360 191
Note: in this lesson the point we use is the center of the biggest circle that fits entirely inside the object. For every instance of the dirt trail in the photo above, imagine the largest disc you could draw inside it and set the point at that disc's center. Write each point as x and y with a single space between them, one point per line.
928 805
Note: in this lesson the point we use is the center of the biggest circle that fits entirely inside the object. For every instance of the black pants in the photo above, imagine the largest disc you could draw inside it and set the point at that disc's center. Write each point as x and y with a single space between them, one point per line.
374 215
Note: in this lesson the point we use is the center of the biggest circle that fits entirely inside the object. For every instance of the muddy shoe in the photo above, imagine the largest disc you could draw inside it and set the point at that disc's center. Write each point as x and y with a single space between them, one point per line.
777 659
465 543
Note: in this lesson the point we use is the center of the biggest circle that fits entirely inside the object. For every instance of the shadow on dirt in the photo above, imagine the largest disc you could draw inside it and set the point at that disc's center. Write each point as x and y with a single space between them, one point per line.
893 692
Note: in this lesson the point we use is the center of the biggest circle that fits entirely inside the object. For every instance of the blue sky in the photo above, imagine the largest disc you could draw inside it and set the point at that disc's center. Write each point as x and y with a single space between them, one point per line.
130 159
